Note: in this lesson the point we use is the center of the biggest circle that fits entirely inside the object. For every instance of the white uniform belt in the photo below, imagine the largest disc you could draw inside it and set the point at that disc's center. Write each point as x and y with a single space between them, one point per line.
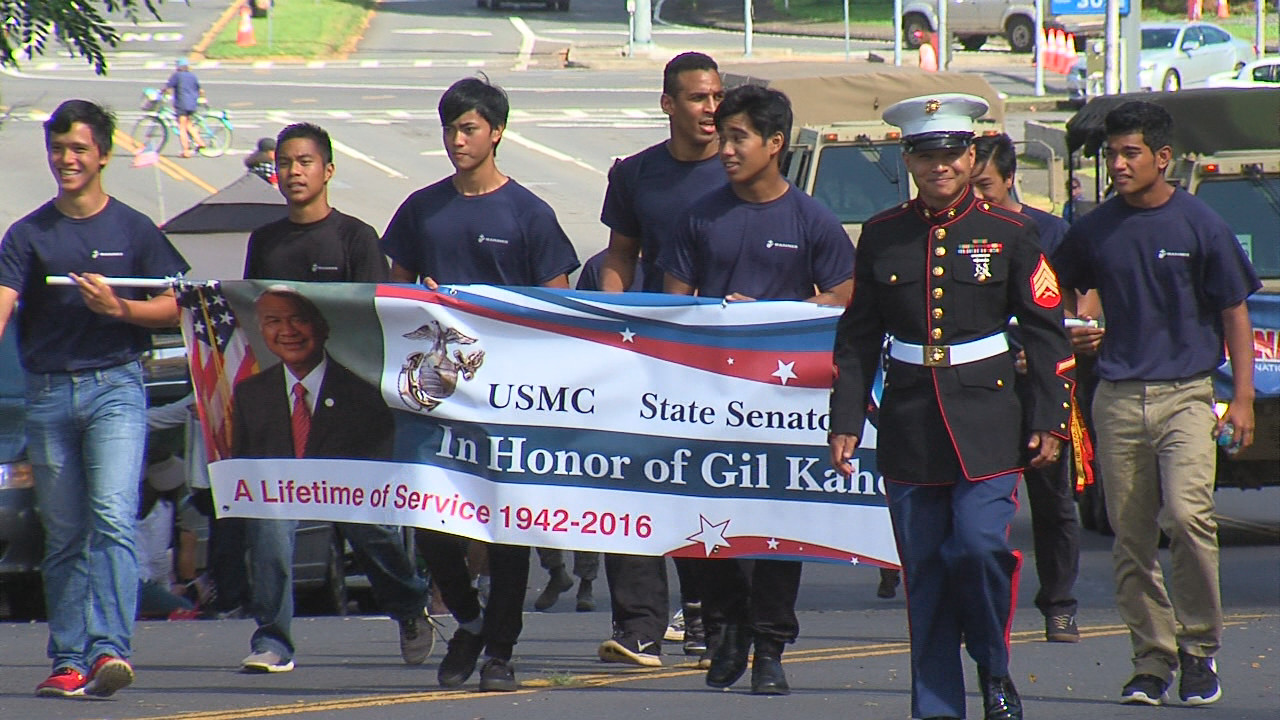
948 355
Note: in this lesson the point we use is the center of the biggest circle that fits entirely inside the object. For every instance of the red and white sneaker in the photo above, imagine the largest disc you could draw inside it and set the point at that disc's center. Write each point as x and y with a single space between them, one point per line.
64 682
109 674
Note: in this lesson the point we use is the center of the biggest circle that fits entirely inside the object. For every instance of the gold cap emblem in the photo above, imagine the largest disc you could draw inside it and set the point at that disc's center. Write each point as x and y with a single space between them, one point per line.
932 106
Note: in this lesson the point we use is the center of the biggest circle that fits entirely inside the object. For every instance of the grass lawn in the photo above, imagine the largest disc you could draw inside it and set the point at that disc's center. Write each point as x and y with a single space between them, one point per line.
299 29
876 14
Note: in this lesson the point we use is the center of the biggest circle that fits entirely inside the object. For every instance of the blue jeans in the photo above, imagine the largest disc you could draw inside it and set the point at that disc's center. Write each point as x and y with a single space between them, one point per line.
396 585
85 438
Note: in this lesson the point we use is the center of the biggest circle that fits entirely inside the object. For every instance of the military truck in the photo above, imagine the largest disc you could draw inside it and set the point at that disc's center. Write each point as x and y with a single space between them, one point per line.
840 151
1226 146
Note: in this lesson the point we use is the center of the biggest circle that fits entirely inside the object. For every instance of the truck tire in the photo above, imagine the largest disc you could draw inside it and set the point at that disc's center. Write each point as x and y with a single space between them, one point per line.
1021 33
973 42
911 24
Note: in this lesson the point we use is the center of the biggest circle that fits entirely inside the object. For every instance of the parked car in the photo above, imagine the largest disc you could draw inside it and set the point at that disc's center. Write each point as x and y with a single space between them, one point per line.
973 21
1174 56
1177 55
1257 74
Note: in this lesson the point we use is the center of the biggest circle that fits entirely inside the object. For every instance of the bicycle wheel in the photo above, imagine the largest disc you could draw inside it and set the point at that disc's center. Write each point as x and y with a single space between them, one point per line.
150 133
215 133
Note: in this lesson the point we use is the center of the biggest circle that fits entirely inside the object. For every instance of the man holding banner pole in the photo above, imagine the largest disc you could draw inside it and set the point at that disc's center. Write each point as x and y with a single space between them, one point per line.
758 238
477 226
941 275
647 193
86 406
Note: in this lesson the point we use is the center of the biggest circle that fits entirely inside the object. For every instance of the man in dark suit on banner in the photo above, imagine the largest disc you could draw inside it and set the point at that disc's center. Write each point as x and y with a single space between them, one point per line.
306 406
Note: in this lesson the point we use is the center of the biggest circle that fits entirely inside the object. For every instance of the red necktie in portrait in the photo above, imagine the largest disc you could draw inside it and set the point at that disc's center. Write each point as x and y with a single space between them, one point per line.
301 420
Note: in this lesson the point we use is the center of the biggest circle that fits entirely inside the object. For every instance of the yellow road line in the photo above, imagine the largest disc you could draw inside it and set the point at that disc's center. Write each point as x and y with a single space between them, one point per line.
170 168
611 678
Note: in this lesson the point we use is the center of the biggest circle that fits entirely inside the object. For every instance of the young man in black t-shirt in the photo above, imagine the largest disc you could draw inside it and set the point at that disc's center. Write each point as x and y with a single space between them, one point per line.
318 243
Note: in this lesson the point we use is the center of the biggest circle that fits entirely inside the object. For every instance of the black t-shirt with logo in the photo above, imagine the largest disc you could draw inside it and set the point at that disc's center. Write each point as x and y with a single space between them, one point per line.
339 248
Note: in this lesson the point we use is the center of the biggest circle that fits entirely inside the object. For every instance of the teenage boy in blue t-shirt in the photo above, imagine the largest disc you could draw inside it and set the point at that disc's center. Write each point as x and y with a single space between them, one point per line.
1174 281
757 238
477 226
86 407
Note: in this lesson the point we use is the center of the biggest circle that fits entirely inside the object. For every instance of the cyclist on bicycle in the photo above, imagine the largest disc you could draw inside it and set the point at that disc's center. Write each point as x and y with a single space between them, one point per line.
187 95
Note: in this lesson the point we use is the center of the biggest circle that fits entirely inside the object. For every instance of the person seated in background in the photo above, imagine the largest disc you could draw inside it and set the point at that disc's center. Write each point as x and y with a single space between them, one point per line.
262 161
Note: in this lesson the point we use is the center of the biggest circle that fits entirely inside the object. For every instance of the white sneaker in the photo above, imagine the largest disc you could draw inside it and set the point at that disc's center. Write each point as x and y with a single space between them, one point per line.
266 661
675 631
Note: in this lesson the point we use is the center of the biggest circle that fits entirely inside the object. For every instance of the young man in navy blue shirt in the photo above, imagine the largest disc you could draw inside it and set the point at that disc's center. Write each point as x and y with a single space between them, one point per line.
86 407
1054 523
1174 281
477 226
646 197
757 238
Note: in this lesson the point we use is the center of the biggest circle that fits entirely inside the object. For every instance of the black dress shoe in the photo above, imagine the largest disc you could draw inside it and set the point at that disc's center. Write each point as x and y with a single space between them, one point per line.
730 659
767 676
1000 699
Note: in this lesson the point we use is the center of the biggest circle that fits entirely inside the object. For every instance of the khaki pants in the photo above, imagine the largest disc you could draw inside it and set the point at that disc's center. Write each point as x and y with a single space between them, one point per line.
1158 458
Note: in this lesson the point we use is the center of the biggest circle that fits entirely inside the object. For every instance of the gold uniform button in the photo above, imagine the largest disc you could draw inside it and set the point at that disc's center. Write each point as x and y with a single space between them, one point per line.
1066 406
1066 386
937 271
986 206
937 313
951 213
999 383
1062 425
893 278
937 293
940 233
939 251
936 334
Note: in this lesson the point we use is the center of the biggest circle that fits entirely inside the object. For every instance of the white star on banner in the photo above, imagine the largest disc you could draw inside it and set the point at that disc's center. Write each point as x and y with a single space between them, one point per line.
627 335
772 543
853 561
730 361
711 535
785 371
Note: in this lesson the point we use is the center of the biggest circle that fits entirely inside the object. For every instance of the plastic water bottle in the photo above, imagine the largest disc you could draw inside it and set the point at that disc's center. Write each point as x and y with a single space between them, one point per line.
1226 439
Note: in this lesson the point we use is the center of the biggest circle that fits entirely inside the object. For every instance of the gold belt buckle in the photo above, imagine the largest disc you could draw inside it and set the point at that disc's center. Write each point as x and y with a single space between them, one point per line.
937 356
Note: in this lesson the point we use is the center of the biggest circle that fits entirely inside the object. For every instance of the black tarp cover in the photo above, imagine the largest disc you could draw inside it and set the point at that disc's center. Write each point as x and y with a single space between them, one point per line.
248 203
1204 121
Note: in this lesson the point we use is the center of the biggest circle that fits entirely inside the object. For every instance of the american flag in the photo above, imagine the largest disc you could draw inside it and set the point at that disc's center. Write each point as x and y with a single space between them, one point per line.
219 355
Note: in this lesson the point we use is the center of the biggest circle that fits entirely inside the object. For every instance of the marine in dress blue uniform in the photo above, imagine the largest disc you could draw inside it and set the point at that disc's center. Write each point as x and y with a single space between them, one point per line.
941 275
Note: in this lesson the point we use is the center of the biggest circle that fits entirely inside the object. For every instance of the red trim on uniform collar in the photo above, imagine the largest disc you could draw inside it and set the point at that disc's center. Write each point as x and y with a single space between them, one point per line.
949 214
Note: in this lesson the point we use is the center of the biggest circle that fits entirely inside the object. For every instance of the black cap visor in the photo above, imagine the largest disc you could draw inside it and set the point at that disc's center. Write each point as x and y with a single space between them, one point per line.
937 141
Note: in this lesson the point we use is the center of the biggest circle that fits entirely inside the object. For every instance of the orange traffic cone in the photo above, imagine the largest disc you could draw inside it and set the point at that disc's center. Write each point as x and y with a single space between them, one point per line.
244 34
1070 56
1051 50
1060 52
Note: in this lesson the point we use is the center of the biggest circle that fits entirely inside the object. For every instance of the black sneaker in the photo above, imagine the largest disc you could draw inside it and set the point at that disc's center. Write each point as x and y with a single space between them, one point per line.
497 675
460 659
625 647
1145 689
1061 628
559 582
1199 682
695 635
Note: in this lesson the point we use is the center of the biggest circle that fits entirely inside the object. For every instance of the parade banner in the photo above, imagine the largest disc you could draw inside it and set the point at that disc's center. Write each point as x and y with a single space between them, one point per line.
625 423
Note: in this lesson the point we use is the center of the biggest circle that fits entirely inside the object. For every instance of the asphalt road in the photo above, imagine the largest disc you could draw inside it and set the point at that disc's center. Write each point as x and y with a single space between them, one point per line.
567 126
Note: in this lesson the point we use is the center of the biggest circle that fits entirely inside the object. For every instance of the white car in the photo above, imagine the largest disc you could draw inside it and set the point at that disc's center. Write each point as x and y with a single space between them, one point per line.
1177 55
1257 74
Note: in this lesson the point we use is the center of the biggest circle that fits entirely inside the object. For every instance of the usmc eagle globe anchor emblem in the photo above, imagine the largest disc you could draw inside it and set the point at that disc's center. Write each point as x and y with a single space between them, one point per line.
429 378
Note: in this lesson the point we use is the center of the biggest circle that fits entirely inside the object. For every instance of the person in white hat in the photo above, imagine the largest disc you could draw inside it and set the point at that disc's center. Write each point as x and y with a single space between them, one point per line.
941 275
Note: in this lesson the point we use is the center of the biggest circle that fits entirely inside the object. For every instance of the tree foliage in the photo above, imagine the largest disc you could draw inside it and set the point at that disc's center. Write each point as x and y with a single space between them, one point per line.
80 26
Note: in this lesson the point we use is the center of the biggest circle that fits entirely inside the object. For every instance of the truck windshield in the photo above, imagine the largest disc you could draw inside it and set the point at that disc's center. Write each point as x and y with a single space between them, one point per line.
1251 206
858 181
